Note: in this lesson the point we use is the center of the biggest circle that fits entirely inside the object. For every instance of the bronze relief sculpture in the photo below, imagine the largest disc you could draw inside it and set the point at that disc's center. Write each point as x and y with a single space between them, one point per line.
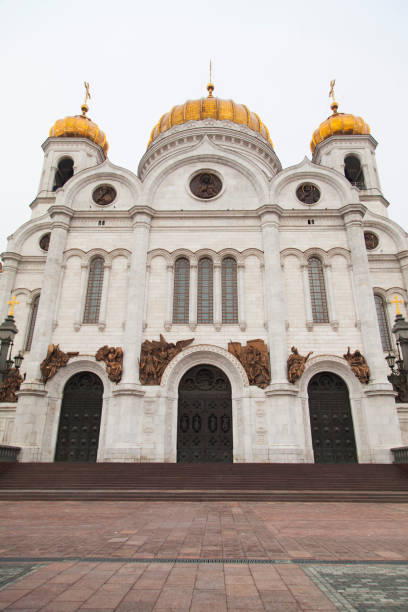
359 365
11 383
54 360
254 358
113 358
155 357
296 364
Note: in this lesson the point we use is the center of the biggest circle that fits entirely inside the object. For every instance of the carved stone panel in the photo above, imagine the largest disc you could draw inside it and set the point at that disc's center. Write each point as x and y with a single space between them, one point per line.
155 356
54 360
359 365
296 364
11 383
113 358
254 357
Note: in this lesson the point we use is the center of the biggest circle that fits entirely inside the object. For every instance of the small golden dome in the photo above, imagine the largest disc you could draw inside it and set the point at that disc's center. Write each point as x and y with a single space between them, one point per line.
338 123
80 126
210 108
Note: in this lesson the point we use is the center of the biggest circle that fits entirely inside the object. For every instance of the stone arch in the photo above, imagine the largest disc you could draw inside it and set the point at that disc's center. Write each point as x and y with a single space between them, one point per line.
55 388
336 365
227 363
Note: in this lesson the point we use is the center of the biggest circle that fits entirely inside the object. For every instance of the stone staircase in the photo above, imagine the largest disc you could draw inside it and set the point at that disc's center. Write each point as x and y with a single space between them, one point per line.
204 482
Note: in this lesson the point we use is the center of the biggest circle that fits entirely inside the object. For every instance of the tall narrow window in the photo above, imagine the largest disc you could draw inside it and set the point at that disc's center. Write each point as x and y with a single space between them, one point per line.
229 291
354 172
317 291
31 325
382 322
94 291
63 173
181 290
205 291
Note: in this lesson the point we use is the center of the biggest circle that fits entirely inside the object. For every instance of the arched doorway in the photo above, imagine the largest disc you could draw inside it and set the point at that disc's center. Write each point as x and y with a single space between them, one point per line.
331 420
204 416
80 419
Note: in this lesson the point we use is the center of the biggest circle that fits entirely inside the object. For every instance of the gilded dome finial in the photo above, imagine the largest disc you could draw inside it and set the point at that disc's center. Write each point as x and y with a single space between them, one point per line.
85 107
334 105
210 86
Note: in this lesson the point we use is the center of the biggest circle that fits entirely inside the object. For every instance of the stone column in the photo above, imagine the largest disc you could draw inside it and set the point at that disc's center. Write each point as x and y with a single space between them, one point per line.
193 296
274 294
82 295
403 259
217 296
306 296
61 217
241 296
146 300
10 266
104 297
136 295
330 297
372 349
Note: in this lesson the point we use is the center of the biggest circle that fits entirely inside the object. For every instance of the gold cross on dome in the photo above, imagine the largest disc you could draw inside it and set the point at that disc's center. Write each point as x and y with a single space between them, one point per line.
12 303
87 94
331 92
397 302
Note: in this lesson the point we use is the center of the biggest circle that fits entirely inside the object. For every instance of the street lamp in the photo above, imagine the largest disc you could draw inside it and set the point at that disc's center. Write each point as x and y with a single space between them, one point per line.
8 330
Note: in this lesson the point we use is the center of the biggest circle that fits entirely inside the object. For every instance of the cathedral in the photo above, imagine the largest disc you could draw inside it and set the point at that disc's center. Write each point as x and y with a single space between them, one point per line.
213 307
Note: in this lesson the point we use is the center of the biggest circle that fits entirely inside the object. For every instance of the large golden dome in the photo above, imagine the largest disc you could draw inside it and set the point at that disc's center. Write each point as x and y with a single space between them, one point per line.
338 123
80 126
210 108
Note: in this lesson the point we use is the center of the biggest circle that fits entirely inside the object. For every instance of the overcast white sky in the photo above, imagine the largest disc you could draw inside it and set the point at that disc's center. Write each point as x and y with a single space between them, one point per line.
141 58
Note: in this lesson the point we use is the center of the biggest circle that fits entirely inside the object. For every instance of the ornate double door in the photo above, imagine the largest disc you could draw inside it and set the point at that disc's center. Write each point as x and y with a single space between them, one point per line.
204 416
331 420
80 419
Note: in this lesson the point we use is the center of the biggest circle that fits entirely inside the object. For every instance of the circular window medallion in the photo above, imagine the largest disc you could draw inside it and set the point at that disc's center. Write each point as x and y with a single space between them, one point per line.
104 195
45 242
308 193
206 185
371 241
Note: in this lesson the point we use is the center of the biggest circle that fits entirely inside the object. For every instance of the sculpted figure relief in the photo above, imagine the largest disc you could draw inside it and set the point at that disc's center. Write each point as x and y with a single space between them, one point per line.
54 360
359 365
113 358
254 358
155 356
11 383
296 364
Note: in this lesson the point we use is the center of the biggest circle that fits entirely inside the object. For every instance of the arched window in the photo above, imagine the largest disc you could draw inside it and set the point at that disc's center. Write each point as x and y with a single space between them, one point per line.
229 290
64 171
31 324
94 291
205 291
317 290
382 322
354 172
181 290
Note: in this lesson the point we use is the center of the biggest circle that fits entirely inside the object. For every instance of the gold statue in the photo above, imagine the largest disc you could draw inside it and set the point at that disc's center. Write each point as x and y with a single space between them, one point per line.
296 364
359 365
113 358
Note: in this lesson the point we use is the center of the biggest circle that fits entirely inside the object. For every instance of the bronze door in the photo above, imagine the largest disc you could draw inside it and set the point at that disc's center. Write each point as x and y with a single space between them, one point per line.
331 420
80 419
204 416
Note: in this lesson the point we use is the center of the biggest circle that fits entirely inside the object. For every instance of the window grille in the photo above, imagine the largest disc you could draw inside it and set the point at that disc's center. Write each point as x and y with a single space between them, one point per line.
317 291
94 291
181 291
229 291
33 318
205 291
382 322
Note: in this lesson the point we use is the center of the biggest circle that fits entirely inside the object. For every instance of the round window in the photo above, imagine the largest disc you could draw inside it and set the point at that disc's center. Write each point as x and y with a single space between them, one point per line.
206 185
45 242
371 241
104 195
308 193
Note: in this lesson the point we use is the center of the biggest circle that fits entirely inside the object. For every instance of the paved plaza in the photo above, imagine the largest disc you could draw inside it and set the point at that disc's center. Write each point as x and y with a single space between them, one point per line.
142 556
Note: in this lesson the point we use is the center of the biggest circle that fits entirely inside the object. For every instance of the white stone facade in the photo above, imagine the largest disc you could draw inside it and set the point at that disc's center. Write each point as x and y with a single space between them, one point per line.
259 221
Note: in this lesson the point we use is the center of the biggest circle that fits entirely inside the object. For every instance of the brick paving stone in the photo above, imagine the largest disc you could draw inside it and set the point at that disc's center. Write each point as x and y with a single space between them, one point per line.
173 598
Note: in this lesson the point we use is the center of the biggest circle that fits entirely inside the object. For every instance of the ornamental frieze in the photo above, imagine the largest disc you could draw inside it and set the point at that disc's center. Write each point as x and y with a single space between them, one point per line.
155 356
296 364
254 358
113 358
54 360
